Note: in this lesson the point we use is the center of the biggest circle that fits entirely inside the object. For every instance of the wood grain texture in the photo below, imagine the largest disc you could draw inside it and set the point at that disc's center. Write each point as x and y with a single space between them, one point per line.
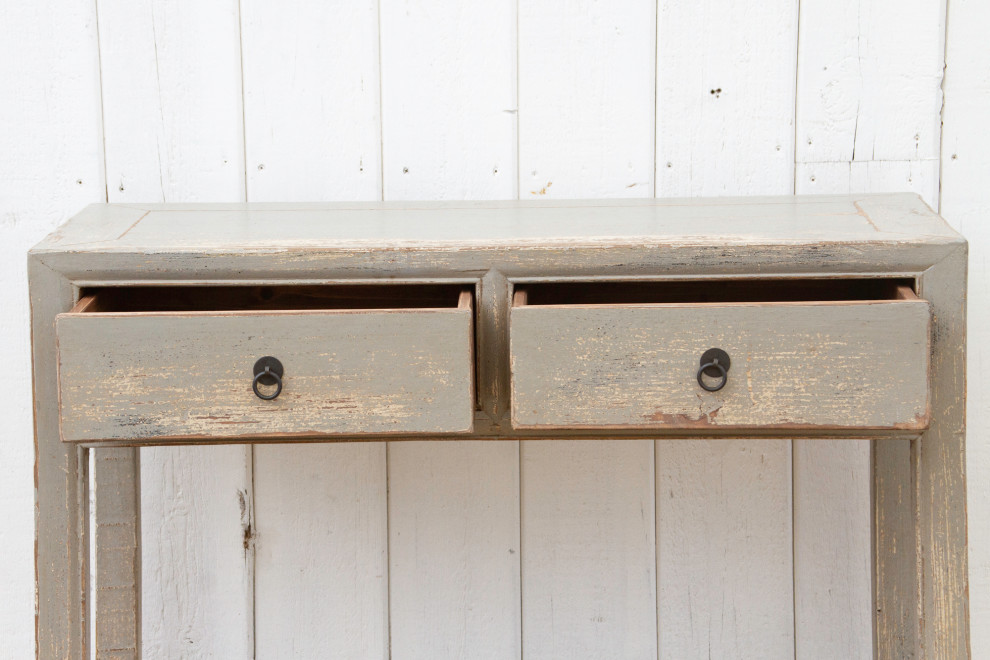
586 99
725 97
61 497
965 203
118 557
588 551
939 471
868 78
321 586
895 571
175 375
832 550
197 555
793 364
171 81
724 556
311 109
448 100
454 550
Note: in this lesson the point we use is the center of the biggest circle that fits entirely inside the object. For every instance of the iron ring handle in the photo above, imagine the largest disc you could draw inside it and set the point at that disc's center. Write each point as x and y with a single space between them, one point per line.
278 384
723 379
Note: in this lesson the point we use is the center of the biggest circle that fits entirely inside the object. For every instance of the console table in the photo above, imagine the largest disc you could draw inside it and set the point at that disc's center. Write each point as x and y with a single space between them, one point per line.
837 316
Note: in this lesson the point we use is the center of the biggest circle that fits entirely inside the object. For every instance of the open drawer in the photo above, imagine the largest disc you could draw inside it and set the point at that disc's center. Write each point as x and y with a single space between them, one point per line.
791 354
175 363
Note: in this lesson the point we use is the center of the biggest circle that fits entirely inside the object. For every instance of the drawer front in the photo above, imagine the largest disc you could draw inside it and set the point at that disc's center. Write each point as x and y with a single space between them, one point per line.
176 376
793 365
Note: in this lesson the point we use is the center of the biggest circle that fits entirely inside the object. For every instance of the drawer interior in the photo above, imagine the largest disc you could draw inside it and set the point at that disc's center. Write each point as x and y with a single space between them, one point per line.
748 290
171 299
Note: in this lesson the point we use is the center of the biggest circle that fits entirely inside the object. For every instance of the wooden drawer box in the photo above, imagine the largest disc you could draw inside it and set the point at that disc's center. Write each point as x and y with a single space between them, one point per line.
170 363
803 354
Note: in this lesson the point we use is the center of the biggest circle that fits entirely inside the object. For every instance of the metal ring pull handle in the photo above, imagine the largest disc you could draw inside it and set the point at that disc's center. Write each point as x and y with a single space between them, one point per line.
715 363
267 371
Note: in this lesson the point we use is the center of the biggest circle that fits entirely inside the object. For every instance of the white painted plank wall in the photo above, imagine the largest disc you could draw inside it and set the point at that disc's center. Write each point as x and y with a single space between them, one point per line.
728 97
725 97
171 82
724 549
868 96
311 100
586 98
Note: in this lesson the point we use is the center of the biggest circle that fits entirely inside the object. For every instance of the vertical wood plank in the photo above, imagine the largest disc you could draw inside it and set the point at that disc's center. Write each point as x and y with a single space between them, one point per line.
724 549
868 91
897 609
52 141
454 549
939 470
449 132
322 578
118 558
312 131
586 129
832 597
588 562
725 97
62 498
965 203
172 107
311 107
586 99
171 77
448 99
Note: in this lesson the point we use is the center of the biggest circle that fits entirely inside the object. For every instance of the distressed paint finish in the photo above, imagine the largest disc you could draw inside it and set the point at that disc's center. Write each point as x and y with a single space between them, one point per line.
895 236
61 495
118 559
792 364
189 375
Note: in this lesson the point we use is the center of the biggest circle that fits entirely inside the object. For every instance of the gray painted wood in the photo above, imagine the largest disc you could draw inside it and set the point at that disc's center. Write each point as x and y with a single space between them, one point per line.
767 220
500 245
118 558
171 376
856 364
61 498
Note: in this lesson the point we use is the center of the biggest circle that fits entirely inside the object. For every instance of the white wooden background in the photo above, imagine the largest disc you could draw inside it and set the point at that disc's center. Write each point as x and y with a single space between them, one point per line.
728 549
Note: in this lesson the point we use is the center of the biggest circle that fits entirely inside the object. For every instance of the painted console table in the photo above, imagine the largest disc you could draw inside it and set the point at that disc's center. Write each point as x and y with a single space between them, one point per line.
790 317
